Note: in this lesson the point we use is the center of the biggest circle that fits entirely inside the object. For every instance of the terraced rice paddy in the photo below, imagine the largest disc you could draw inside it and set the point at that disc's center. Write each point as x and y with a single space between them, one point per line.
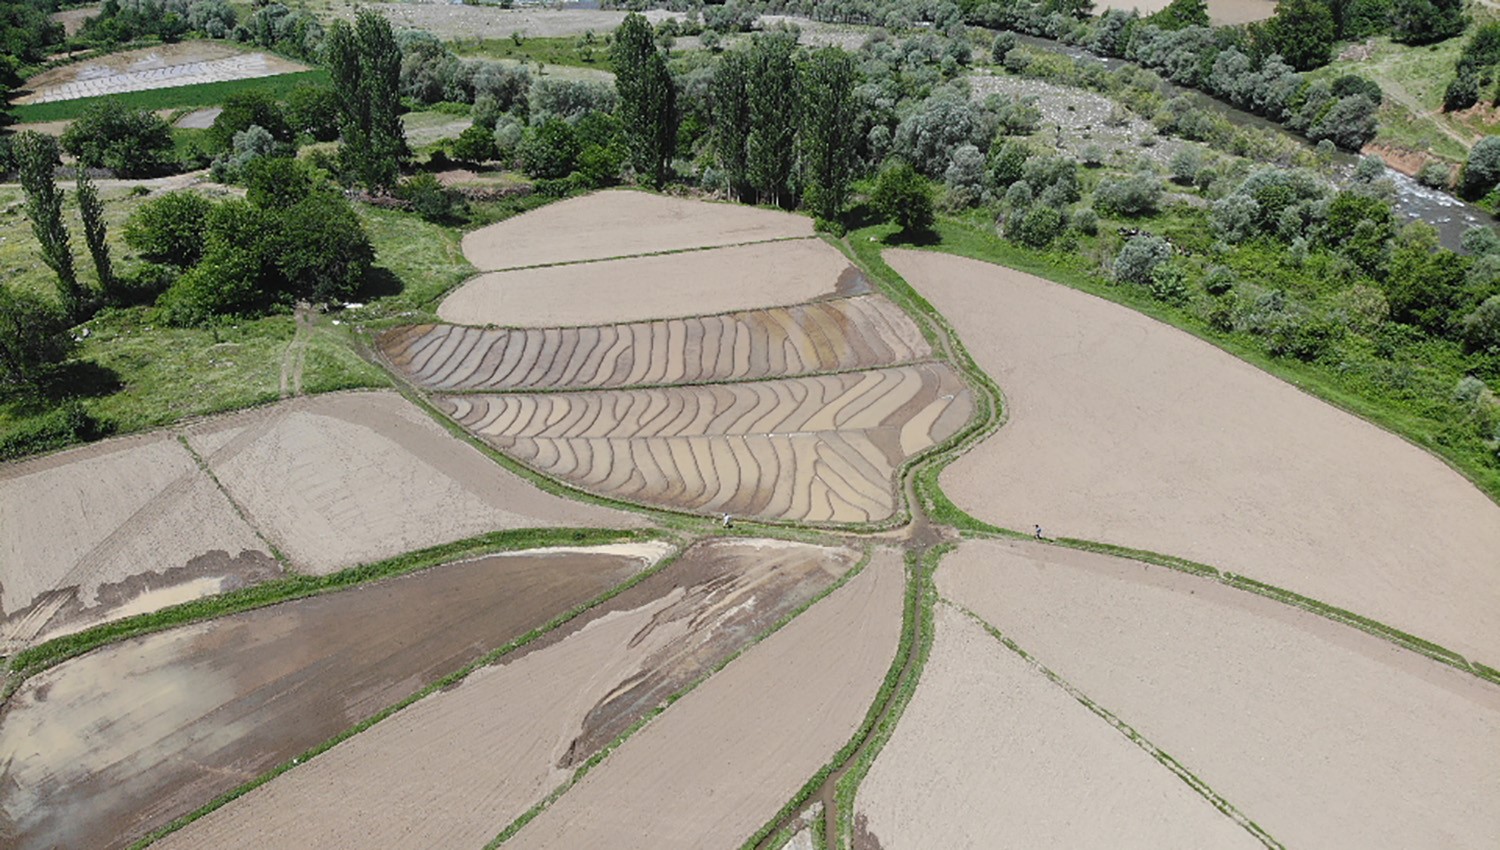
1127 431
817 449
1322 735
105 748
474 757
826 336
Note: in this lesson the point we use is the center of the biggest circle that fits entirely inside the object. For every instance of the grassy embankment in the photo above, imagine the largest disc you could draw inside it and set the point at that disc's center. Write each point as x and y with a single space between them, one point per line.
176 97
564 51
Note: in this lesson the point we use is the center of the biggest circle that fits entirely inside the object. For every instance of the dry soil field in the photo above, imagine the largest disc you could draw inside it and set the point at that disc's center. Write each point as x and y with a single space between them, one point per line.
990 753
473 758
818 449
1322 735
112 529
622 223
449 20
721 761
1124 430
105 748
825 336
1219 11
182 64
348 478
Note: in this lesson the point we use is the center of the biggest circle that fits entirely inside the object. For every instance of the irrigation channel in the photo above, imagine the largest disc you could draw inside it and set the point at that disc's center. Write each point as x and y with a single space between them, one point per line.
1449 215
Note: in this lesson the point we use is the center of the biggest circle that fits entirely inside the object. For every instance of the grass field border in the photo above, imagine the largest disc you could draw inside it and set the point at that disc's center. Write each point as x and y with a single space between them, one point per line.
197 95
443 683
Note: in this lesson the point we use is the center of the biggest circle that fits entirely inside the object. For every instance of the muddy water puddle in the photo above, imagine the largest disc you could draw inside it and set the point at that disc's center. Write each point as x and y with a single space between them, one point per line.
101 750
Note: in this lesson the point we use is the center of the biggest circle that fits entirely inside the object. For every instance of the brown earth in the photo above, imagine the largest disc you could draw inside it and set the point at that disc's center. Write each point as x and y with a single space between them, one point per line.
692 283
199 119
1220 12
990 753
182 64
620 223
454 769
817 449
72 19
452 21
116 528
843 334
1323 735
722 760
1127 431
350 478
104 749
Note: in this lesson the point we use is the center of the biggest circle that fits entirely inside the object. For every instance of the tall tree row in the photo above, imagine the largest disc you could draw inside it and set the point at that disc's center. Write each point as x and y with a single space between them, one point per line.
36 157
829 130
770 151
730 115
91 210
648 99
364 63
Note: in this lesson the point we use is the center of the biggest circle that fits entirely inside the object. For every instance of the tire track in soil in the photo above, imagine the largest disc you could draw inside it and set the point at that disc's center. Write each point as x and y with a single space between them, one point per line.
294 359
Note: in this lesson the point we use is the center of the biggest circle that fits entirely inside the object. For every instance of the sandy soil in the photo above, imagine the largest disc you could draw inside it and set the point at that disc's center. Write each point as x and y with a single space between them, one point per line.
448 20
1127 431
343 479
692 283
72 19
722 760
1321 734
117 527
1220 12
620 223
472 759
183 64
991 754
826 336
199 119
819 449
102 750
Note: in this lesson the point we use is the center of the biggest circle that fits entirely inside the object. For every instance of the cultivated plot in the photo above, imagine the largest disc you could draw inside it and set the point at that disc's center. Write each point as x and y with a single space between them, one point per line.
121 527
827 336
816 449
1124 430
343 479
450 21
692 283
473 758
621 223
990 753
1220 12
101 750
183 64
722 760
1322 735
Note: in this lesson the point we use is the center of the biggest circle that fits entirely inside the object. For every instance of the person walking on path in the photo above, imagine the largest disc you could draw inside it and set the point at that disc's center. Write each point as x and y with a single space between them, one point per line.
1039 533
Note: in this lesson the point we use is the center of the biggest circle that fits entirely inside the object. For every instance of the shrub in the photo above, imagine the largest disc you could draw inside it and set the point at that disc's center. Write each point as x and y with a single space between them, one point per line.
1220 280
1482 171
249 145
549 151
570 99
1008 163
1185 166
279 182
1037 227
428 198
1435 175
476 144
1139 257
1085 221
941 123
1004 43
33 336
65 425
170 228
129 142
964 177
1481 328
244 110
1169 284
313 110
1093 156
903 197
1054 178
1136 195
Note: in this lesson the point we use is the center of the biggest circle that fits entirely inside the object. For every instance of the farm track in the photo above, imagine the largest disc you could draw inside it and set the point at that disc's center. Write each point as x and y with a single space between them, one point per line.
825 336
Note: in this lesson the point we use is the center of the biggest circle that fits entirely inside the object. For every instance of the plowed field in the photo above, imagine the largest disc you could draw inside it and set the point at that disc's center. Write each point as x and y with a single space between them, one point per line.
454 769
622 223
838 335
990 753
819 449
722 760
1124 430
181 64
1322 735
356 477
691 283
122 527
103 749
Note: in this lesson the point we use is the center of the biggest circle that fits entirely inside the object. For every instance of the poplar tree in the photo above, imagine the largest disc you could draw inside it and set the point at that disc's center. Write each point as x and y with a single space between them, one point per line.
770 147
829 128
94 230
731 120
648 99
364 63
36 157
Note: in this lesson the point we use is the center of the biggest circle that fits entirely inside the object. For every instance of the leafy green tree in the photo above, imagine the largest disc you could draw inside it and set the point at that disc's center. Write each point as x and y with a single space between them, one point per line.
549 151
1424 283
903 197
279 182
729 93
1139 258
429 198
170 228
1037 227
1181 14
323 253
1302 33
1481 172
1481 328
244 110
36 157
474 145
364 63
1136 195
91 210
129 142
1360 228
648 100
830 130
33 336
1426 21
314 110
770 148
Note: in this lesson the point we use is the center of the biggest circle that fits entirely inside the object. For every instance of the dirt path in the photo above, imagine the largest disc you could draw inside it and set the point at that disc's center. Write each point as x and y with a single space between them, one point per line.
295 357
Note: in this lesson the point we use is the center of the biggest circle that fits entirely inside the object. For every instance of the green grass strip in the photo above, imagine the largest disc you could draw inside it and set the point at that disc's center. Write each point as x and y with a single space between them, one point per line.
1167 761
175 97
593 761
447 681
31 661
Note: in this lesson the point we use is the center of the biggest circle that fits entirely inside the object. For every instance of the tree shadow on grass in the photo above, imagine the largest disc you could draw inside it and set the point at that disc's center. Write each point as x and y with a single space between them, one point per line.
76 379
379 282
912 239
